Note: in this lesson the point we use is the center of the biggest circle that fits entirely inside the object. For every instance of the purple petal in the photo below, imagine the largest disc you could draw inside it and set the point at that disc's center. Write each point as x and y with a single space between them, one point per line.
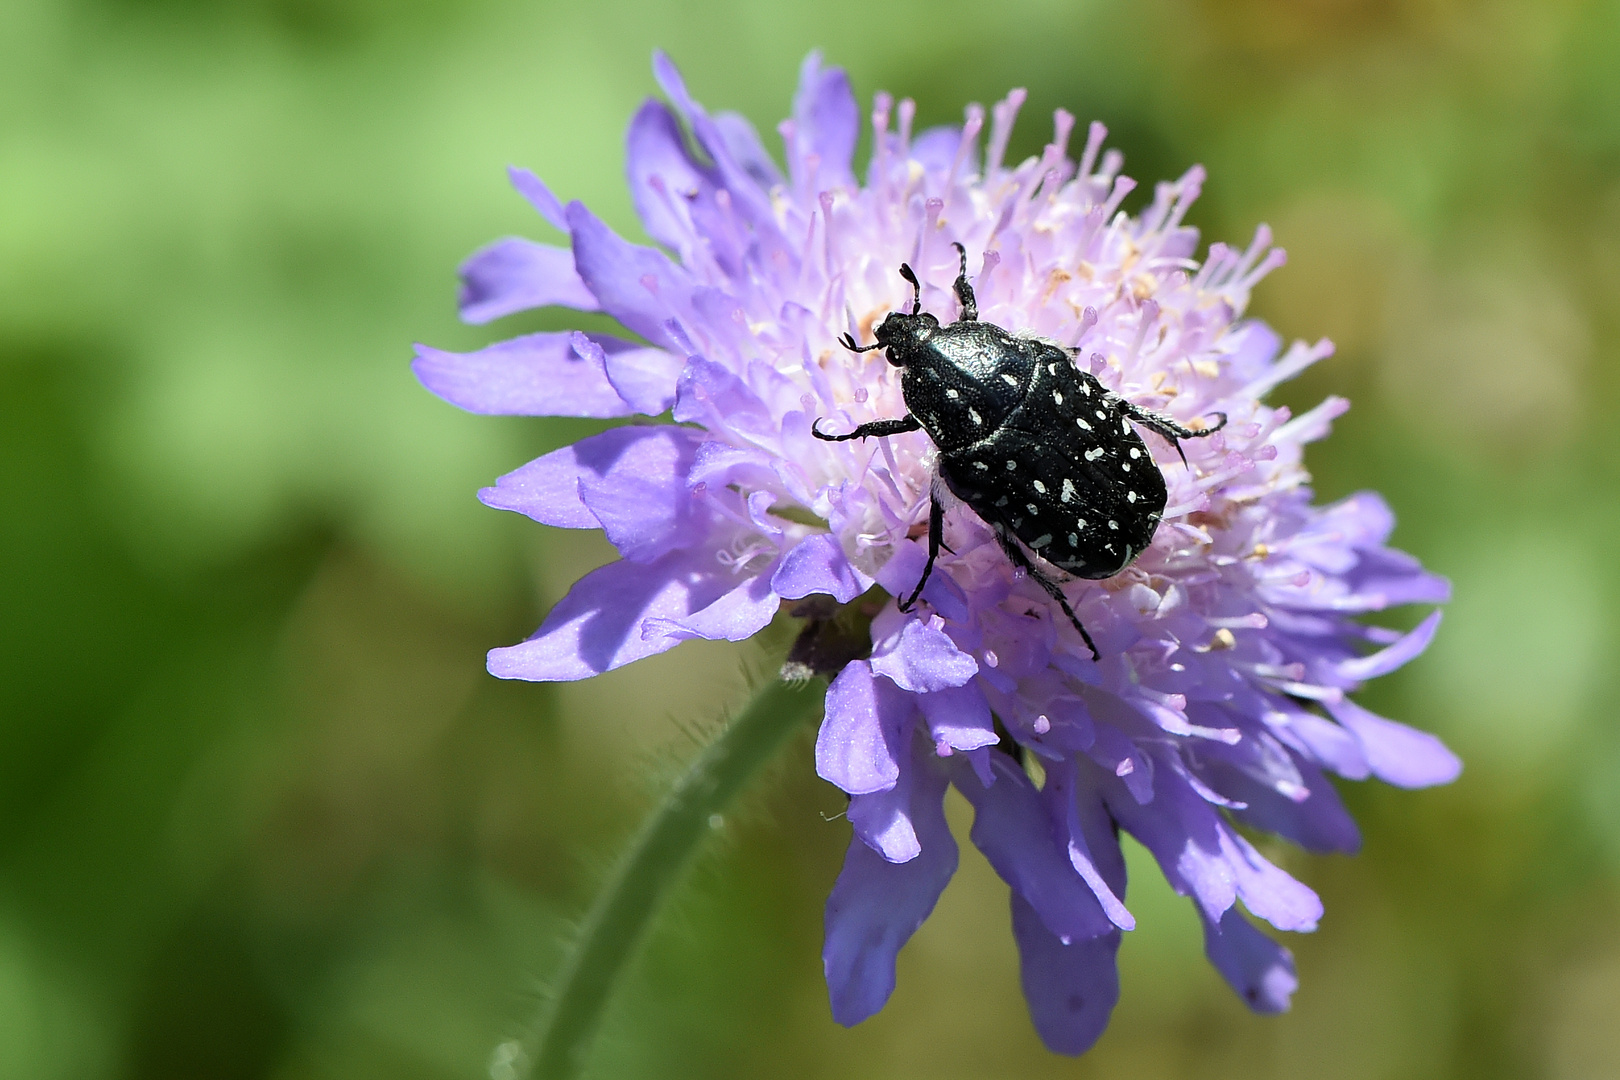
1121 756
882 819
532 375
936 148
877 905
547 489
817 564
1398 754
1011 826
742 141
748 198
826 122
923 658
1203 858
1259 969
663 177
637 285
1393 656
532 188
863 738
643 378
515 275
598 626
736 616
904 569
1084 824
1071 988
959 717
647 511
1325 742
1281 793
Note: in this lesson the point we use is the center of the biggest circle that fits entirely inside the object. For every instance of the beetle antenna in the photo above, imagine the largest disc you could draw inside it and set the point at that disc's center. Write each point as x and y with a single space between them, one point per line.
848 342
916 288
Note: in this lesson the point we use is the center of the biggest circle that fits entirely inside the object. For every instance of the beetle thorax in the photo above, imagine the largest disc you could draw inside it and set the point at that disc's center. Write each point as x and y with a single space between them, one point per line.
962 383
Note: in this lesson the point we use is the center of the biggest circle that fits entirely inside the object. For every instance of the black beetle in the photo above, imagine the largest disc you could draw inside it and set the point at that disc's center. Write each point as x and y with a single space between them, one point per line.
1038 448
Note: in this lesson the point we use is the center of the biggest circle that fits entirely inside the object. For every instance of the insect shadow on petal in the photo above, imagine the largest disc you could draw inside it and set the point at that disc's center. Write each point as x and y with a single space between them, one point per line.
1038 448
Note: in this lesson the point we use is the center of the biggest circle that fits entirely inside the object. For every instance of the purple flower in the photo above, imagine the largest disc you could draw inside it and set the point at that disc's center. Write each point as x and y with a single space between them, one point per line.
1228 649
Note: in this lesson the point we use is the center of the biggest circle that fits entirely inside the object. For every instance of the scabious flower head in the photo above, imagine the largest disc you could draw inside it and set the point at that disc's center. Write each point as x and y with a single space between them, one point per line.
1229 648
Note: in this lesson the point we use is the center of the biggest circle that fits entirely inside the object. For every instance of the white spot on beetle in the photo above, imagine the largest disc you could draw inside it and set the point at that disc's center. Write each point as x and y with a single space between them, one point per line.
1112 525
1083 425
973 415
1057 398
1130 496
1135 453
1040 488
1068 489
1102 415
1032 508
1011 464
1125 465
1094 454
982 466
1125 426
1041 540
1080 524
1008 379
1085 388
951 393
1051 369
1074 540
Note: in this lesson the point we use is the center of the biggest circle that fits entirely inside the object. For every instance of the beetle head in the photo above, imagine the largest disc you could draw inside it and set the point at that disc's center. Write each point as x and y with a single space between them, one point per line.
903 334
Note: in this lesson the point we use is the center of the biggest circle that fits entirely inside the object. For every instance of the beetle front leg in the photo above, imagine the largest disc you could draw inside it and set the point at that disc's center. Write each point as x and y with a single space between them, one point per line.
1019 559
964 291
936 539
873 428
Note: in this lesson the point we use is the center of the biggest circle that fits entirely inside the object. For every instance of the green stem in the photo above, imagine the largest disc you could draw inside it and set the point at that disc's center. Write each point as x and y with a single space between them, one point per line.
558 1043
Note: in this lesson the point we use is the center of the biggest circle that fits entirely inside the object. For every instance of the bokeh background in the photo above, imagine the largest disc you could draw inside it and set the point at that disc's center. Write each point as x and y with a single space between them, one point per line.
262 814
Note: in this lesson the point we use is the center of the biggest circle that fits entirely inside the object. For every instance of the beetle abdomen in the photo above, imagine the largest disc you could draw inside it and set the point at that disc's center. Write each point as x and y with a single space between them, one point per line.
1065 473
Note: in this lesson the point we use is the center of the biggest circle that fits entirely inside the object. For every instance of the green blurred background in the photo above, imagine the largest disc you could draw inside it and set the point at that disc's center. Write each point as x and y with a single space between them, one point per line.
262 814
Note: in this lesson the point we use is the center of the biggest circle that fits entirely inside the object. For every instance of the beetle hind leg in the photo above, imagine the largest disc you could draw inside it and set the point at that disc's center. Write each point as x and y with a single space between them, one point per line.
936 540
1169 429
1019 559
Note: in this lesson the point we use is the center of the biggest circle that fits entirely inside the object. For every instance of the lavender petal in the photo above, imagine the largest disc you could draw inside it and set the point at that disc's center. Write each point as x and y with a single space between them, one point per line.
1259 969
533 375
514 275
598 626
1013 830
1398 754
864 737
1071 987
817 564
547 489
876 906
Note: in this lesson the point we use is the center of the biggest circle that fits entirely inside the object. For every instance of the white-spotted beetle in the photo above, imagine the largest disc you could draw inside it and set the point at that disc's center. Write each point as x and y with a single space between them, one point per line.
1038 448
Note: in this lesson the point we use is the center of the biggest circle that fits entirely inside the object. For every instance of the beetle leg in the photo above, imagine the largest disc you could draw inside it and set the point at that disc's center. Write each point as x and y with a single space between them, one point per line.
936 537
1019 559
871 428
964 291
916 287
1168 428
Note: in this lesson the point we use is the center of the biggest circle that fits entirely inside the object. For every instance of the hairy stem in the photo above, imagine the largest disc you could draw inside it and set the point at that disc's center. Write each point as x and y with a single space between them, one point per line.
557 1045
